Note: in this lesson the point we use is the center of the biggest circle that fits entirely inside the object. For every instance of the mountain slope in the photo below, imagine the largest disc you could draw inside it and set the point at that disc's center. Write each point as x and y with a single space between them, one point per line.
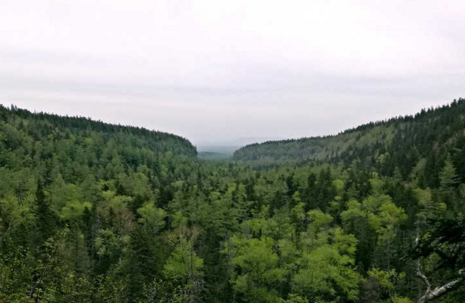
39 126
396 143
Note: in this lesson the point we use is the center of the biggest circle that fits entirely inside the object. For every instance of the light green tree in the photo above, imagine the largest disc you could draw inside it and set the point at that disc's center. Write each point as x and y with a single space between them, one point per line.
183 265
153 218
327 263
260 274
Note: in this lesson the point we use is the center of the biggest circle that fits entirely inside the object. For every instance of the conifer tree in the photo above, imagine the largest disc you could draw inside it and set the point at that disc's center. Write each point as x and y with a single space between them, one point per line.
45 219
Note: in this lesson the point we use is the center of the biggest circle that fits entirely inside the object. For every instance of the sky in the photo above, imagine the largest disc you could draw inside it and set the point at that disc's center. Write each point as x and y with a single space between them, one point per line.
215 71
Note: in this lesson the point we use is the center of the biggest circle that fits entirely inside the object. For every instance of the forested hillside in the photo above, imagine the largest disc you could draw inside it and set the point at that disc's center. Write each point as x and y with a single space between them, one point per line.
92 212
396 143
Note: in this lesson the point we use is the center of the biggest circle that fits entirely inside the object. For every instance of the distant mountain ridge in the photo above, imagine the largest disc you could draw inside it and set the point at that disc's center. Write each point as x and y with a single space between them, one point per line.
234 143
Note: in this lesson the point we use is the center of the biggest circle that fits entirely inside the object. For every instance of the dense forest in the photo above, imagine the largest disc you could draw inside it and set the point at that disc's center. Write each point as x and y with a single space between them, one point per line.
93 212
398 142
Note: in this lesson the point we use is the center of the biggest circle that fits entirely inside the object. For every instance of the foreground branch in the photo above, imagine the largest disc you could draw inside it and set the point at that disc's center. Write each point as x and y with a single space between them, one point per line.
440 290
422 276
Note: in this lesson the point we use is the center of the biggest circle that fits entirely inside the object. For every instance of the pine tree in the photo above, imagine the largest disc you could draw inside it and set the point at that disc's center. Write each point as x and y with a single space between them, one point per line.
141 264
448 176
45 218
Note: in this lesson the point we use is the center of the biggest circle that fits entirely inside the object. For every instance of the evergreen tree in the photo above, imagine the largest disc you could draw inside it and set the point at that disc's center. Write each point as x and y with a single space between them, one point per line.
45 219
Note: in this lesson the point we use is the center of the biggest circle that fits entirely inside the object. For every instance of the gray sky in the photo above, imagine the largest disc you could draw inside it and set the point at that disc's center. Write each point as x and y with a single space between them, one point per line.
213 71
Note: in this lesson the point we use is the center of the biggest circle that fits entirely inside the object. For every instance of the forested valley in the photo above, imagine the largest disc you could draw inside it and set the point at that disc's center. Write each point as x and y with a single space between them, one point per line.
93 212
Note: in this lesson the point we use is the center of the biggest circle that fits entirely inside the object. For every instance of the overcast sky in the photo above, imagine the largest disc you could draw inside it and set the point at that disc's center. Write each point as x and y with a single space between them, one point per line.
214 71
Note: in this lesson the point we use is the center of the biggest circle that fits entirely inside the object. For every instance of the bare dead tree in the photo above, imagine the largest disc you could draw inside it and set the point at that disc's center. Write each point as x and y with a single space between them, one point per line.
432 294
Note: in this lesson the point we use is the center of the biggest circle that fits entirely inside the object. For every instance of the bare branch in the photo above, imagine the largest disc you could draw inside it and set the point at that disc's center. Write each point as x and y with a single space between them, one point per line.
422 276
440 290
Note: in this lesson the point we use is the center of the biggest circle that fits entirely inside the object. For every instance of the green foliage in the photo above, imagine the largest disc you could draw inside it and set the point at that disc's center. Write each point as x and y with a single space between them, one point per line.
448 176
386 284
183 264
153 218
259 275
318 220
91 212
326 270
382 214
74 210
